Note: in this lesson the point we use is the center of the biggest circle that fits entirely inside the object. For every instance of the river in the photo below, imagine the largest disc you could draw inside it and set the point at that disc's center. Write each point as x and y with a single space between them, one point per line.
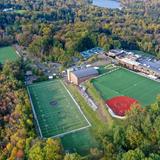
107 4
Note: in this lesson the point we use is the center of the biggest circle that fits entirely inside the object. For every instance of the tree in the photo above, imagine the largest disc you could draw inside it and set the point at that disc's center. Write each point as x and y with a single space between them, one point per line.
133 155
137 138
73 156
52 150
84 43
36 152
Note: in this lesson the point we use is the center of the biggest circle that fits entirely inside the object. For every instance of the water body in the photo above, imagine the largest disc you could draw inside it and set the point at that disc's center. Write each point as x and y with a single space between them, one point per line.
107 4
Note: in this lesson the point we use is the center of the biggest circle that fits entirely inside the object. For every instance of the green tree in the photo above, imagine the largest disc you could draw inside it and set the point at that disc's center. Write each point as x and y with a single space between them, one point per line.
136 154
52 150
36 152
84 43
73 156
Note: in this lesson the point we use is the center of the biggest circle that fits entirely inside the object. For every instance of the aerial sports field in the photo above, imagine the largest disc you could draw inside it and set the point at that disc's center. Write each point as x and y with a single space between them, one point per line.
122 82
55 110
8 54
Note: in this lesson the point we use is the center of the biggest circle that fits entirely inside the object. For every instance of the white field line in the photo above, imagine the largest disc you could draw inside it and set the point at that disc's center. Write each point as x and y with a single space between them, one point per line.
75 130
142 75
62 134
18 53
115 69
75 102
40 83
120 67
34 113
113 114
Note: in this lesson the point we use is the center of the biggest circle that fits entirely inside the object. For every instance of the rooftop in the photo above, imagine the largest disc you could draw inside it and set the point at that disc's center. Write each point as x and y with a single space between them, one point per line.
152 64
117 51
145 60
85 72
129 61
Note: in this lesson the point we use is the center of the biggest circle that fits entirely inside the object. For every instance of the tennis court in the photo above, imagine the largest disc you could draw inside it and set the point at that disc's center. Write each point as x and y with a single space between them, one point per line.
122 82
89 53
55 110
8 54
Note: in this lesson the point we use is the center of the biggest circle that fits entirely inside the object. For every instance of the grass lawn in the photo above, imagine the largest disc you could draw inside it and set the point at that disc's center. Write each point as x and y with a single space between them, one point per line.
90 134
20 11
8 54
65 116
124 82
80 142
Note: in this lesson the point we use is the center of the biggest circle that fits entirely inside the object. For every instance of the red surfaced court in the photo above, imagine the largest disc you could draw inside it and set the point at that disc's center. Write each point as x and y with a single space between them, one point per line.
121 104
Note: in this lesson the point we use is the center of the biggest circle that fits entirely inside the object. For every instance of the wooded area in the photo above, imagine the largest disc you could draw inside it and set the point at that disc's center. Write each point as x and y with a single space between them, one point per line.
57 31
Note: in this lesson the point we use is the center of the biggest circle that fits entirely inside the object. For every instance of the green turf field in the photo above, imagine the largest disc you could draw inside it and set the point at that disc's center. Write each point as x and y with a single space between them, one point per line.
127 83
59 119
80 142
107 68
8 54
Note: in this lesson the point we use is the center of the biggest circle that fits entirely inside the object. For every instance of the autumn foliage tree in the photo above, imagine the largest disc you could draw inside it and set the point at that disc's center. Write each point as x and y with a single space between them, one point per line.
137 138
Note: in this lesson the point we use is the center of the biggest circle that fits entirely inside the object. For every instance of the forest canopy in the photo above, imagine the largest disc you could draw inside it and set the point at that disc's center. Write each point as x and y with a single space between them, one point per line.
52 29
57 30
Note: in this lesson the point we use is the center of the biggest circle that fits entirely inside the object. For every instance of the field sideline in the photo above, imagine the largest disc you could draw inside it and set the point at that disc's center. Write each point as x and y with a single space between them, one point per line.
122 82
64 117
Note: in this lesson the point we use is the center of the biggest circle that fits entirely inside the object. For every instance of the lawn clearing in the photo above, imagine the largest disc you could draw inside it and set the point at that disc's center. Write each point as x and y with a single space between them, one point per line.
7 54
122 82
56 111
20 11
